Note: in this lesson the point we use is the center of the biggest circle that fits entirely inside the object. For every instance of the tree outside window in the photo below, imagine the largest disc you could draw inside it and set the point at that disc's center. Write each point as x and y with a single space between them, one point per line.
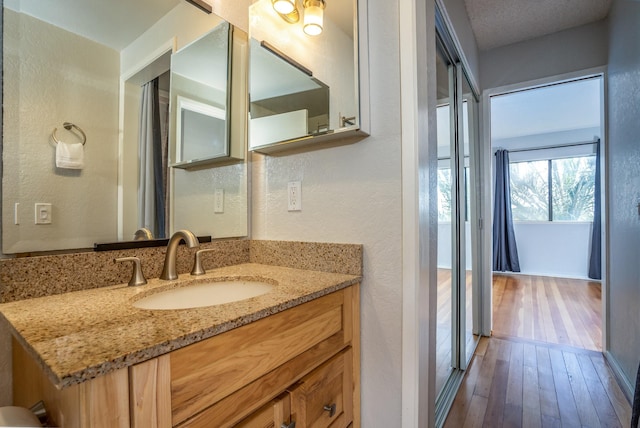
530 191
444 194
573 188
569 184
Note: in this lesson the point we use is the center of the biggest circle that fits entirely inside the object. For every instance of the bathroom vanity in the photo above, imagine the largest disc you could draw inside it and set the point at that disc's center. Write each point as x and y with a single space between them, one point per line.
290 355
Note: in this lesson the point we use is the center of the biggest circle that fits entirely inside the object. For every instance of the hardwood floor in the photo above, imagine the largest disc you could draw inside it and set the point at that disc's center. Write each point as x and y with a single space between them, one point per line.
542 367
546 309
519 383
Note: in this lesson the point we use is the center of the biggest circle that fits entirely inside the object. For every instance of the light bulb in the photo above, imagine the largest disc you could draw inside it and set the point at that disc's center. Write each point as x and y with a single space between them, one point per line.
313 17
283 6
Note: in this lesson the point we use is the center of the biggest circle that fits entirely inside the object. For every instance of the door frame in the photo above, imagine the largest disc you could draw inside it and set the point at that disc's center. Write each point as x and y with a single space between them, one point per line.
486 204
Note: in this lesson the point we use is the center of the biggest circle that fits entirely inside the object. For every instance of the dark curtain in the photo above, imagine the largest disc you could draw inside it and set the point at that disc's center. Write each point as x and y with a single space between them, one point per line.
505 252
158 170
595 259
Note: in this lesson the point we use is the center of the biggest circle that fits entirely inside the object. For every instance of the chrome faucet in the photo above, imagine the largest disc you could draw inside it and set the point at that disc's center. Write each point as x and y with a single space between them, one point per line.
169 269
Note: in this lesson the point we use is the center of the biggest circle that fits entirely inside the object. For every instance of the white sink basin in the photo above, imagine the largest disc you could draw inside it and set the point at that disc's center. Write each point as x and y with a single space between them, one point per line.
204 294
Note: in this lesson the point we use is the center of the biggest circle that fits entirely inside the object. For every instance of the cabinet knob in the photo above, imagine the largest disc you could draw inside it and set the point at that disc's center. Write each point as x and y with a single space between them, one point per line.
331 409
285 425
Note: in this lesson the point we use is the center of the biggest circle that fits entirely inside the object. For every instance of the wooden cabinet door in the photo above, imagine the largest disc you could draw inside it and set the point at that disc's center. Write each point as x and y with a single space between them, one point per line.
324 398
274 414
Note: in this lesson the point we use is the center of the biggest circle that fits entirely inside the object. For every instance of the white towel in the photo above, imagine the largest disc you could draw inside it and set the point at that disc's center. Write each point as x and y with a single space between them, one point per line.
70 155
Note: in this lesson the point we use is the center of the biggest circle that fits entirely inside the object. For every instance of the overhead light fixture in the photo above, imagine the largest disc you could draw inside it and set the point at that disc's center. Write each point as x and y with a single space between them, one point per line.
291 17
313 16
287 10
284 7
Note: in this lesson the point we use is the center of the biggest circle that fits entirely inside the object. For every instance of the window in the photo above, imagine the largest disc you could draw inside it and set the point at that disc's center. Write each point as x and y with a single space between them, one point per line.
573 188
565 184
530 190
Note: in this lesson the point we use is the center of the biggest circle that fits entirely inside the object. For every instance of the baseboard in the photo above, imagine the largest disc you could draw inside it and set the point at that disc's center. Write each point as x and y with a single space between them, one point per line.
550 275
625 384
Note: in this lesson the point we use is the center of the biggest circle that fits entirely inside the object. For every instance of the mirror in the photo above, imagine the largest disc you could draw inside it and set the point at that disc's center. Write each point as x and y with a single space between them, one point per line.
200 77
73 61
201 132
303 89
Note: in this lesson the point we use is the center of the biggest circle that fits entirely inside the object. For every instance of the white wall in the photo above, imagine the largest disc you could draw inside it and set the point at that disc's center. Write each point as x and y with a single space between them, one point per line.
195 208
554 248
624 186
52 76
353 194
567 51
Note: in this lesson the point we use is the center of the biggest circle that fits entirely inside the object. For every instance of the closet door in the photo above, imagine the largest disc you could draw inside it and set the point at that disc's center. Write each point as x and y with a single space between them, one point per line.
445 331
457 295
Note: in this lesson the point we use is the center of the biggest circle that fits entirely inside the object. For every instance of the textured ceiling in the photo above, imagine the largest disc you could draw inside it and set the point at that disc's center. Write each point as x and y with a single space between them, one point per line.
502 22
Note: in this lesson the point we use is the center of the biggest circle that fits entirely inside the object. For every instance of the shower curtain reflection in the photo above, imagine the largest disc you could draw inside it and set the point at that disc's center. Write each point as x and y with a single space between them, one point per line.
153 143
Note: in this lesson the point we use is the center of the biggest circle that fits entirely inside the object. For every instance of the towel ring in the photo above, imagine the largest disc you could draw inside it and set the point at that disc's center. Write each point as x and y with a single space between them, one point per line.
68 126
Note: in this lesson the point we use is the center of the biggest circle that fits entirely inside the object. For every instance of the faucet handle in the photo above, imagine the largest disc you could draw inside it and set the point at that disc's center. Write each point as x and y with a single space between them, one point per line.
137 277
197 262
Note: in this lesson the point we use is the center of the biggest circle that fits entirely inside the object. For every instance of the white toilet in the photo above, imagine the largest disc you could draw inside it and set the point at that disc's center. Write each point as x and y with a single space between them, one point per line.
13 416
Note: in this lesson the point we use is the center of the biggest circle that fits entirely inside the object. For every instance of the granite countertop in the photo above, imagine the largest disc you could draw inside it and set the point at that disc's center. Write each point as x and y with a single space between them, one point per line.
80 335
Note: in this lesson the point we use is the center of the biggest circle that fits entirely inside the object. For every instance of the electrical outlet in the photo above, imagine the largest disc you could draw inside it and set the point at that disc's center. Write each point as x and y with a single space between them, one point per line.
43 213
294 194
218 201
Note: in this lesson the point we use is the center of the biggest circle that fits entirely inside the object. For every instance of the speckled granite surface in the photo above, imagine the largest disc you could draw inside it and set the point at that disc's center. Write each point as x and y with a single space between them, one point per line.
80 335
29 277
326 257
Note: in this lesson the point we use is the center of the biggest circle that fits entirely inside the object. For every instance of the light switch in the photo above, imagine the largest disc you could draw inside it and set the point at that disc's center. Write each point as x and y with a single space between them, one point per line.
43 213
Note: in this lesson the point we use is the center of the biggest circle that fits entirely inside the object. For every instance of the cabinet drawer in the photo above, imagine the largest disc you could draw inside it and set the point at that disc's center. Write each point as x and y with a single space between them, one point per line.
274 414
207 372
324 398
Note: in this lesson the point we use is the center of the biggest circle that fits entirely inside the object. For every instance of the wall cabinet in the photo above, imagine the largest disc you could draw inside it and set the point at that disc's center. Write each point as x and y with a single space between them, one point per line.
307 92
300 365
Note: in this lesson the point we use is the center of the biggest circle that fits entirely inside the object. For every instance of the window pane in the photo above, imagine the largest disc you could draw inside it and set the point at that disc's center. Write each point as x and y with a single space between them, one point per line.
444 194
530 191
573 182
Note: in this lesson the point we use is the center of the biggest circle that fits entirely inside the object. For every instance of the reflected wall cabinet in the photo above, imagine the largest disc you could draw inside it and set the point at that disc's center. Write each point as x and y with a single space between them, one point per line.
307 91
